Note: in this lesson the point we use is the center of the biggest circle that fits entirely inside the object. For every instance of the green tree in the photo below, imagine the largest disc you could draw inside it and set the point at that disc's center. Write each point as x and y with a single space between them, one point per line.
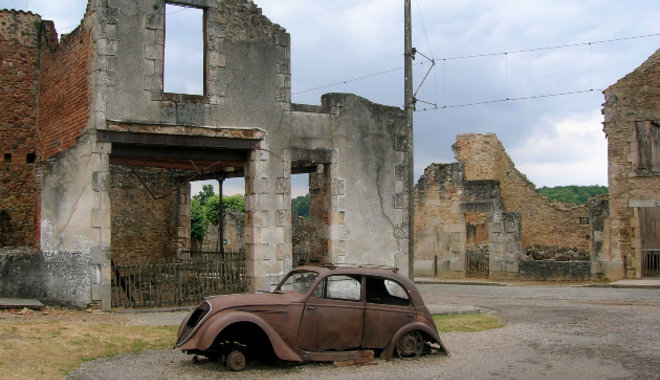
197 220
300 206
211 209
204 195
233 202
572 194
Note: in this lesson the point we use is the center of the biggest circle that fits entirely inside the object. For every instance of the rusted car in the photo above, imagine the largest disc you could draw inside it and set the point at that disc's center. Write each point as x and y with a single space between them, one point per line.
316 313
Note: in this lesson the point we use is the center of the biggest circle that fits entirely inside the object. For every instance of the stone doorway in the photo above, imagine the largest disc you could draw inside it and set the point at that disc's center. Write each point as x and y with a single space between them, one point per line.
649 220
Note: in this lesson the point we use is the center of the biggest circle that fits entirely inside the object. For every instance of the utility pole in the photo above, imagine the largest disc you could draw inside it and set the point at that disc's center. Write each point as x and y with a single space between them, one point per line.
409 107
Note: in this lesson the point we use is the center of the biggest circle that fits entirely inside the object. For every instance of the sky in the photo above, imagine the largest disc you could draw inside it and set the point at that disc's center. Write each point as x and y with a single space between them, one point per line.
484 52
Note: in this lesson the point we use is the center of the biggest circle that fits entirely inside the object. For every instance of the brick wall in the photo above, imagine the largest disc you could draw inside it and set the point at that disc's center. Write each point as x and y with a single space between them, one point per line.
143 228
65 89
543 222
19 54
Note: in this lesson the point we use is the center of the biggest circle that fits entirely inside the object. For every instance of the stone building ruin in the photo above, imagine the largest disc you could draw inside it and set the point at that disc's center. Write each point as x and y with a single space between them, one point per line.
483 203
632 127
97 157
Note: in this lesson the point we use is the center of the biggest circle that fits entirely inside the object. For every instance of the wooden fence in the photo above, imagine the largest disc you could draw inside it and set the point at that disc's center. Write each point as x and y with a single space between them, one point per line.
178 281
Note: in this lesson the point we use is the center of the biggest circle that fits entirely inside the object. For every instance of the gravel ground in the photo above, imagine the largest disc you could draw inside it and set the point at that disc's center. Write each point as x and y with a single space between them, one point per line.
551 333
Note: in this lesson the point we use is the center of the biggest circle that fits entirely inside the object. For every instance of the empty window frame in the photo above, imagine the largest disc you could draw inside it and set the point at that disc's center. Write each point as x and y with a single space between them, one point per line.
648 147
183 65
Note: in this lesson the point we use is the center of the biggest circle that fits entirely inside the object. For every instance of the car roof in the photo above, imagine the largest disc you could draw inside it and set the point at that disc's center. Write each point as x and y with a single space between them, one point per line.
367 270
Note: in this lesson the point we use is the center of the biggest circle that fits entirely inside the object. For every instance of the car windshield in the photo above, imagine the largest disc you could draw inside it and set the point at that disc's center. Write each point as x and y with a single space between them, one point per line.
298 282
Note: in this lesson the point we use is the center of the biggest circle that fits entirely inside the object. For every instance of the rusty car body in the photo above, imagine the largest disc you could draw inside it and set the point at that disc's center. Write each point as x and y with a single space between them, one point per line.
316 313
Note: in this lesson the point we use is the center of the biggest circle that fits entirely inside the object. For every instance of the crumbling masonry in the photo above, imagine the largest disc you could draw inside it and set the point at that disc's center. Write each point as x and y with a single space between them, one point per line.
96 156
483 203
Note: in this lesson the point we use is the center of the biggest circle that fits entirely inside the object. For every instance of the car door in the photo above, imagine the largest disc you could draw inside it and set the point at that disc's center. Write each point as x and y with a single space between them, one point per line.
388 307
333 318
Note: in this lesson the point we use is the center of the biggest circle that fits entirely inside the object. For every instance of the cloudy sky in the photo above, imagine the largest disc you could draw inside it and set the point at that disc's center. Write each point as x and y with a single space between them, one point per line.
484 52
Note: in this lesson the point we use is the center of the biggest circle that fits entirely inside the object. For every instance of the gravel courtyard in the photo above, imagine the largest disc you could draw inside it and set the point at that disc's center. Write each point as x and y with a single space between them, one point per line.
551 332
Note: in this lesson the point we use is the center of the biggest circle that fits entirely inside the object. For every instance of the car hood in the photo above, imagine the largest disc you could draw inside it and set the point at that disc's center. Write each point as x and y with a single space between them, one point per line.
253 300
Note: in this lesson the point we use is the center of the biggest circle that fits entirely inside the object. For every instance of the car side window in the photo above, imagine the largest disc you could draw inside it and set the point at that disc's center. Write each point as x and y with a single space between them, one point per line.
387 292
339 287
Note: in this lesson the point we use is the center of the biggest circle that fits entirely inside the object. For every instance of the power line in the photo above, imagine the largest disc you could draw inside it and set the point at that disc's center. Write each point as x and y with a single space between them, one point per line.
551 47
511 99
481 55
350 80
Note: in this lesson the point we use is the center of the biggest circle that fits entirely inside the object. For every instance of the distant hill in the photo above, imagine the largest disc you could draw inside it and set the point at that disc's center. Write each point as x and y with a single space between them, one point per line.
572 194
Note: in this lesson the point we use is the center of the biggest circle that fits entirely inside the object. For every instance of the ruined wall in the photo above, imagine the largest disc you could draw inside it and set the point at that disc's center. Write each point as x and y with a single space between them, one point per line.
143 228
543 222
65 91
632 127
482 204
440 230
233 232
19 85
365 176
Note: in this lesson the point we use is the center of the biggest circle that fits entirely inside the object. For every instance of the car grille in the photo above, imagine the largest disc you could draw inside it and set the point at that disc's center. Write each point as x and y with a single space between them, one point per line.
193 322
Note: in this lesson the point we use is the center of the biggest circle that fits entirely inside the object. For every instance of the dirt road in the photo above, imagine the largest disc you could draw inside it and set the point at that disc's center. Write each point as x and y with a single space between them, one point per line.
552 332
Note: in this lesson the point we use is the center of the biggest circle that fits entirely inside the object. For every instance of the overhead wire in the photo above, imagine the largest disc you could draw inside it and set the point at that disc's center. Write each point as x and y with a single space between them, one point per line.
481 55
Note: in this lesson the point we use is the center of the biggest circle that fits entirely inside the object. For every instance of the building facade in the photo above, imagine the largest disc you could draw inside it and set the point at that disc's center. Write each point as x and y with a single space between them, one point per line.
98 157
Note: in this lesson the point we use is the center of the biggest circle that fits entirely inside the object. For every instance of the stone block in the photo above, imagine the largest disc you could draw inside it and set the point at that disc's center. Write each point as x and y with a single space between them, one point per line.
337 248
283 185
338 187
102 292
100 218
100 181
337 217
283 218
283 251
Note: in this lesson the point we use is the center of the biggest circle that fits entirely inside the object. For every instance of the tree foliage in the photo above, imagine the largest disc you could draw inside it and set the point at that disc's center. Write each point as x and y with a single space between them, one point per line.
300 206
229 202
204 209
204 195
197 220
572 194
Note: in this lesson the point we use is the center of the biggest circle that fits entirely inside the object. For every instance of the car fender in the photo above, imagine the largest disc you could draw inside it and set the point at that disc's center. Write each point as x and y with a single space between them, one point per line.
389 349
216 325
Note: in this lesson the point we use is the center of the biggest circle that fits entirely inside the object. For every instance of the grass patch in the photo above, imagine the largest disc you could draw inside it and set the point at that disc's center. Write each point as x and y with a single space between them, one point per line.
51 349
466 322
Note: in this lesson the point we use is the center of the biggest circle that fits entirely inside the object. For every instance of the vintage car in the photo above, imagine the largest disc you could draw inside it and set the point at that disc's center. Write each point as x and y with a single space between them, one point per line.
316 313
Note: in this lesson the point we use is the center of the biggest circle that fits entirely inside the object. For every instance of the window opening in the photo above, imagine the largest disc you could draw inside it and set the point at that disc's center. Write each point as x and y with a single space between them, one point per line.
183 66
300 221
387 292
7 157
339 287
30 158
205 227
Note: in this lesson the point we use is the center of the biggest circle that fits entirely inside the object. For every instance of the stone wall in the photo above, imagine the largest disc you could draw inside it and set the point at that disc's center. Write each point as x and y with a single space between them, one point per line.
555 270
483 201
543 222
19 53
144 220
233 232
632 127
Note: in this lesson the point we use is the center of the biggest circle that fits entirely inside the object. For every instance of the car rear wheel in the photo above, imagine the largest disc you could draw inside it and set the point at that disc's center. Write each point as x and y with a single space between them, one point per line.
410 345
235 361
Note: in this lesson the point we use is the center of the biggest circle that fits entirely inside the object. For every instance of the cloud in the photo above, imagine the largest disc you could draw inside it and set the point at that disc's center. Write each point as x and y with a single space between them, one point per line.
334 41
572 152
